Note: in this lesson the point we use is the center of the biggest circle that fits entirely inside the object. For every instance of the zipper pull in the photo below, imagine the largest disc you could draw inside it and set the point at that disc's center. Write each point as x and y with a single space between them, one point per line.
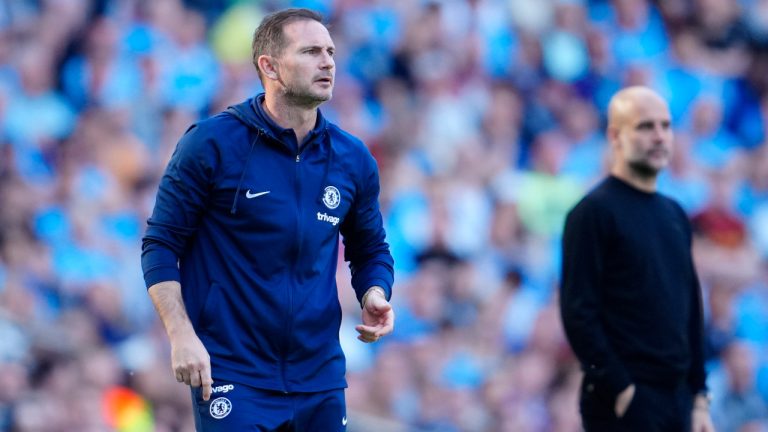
297 158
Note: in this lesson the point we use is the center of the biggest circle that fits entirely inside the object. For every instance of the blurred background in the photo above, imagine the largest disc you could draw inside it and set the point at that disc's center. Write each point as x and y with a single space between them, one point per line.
486 118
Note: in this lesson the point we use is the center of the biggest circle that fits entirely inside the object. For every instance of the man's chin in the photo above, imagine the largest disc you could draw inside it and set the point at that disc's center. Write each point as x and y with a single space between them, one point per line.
318 99
648 170
324 96
310 99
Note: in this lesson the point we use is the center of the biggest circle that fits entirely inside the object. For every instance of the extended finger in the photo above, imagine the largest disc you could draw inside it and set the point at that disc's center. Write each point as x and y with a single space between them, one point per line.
205 378
367 330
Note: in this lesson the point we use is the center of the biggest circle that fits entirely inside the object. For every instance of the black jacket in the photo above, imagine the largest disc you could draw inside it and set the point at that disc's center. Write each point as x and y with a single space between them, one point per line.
630 298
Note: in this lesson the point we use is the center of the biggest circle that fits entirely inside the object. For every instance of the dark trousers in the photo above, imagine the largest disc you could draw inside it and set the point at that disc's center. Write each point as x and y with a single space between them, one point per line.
236 407
653 409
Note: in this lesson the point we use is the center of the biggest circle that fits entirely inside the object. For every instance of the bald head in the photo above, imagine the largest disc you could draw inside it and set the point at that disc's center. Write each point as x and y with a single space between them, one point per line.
640 133
626 103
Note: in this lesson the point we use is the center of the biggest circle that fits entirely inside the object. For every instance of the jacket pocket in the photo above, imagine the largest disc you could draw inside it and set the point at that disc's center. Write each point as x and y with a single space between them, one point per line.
595 400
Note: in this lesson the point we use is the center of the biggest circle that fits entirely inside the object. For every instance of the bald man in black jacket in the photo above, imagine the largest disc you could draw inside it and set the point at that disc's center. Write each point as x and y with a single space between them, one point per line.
630 297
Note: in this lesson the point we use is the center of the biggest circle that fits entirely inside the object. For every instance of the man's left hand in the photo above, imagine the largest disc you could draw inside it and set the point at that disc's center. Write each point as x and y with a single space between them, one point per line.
700 418
378 317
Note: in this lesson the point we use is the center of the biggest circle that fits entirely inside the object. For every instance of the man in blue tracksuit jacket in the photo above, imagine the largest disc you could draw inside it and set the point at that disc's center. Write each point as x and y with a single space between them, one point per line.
240 252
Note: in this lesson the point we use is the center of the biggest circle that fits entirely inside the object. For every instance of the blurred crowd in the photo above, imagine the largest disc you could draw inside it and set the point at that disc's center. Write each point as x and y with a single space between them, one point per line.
486 118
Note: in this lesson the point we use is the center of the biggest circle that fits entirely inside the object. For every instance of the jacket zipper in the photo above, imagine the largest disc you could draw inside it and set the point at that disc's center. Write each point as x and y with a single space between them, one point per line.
299 240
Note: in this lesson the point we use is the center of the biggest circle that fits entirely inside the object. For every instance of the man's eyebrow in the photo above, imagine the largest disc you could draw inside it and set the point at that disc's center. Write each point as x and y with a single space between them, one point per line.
650 122
317 46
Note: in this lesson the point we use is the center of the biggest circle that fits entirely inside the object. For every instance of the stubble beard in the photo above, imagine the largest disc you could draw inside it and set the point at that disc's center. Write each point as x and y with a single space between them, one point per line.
643 169
303 97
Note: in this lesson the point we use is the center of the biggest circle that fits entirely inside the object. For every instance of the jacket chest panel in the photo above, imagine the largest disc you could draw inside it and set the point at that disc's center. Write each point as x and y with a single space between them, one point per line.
281 197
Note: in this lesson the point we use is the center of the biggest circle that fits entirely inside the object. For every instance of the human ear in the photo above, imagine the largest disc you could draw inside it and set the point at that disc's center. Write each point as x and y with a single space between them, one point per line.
268 66
612 134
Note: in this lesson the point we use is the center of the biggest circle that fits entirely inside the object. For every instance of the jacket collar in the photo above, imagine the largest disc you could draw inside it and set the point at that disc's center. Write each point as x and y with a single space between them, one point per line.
280 133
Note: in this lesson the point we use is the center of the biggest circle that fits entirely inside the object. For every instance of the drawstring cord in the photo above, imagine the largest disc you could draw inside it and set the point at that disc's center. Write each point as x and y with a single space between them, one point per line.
242 176
328 163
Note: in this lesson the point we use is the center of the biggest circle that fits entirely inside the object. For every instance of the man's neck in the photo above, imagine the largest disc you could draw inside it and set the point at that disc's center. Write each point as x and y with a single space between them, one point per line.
641 182
300 119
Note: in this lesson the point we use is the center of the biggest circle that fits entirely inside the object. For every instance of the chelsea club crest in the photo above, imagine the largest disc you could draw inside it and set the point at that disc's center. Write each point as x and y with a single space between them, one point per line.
331 197
220 408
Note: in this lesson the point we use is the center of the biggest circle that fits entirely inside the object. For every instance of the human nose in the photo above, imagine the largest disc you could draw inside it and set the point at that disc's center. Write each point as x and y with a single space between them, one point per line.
327 61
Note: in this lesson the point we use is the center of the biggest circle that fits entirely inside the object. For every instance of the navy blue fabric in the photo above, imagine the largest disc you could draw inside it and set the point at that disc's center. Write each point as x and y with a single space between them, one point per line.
249 225
238 407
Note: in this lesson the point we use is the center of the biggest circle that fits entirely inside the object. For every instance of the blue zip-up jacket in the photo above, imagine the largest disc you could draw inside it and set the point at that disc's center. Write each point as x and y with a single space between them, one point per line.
249 225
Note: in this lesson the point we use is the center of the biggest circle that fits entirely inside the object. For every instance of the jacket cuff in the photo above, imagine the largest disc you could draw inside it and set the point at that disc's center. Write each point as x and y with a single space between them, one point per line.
363 287
161 274
379 283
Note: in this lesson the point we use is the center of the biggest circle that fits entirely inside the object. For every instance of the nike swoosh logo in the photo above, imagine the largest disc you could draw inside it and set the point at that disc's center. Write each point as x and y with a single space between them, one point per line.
344 421
250 195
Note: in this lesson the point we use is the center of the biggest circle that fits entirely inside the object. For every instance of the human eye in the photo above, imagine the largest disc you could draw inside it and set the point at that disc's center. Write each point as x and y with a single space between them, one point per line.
644 125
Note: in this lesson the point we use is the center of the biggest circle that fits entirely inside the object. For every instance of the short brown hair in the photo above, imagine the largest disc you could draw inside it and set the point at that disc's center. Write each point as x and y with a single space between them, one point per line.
269 37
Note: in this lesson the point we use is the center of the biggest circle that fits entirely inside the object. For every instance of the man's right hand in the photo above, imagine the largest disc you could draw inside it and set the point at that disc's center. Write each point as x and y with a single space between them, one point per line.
189 359
191 363
623 400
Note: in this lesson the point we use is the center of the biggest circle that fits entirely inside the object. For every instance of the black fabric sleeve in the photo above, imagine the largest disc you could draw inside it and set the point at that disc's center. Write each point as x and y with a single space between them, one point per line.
697 374
583 250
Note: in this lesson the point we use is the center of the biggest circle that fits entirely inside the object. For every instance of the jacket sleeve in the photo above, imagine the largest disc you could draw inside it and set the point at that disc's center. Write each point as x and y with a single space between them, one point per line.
181 199
365 246
697 374
580 299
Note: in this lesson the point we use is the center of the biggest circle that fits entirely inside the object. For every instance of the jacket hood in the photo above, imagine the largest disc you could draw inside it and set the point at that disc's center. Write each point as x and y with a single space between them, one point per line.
251 113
